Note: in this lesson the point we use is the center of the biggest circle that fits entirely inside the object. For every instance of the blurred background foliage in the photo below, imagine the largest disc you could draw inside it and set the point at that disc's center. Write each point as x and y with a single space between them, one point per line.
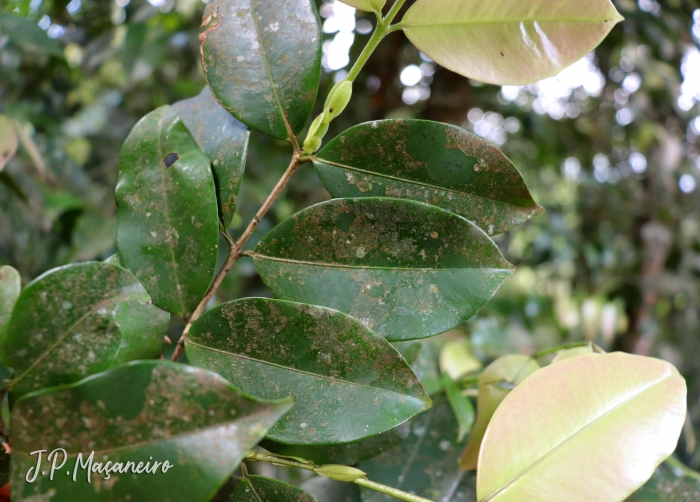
609 148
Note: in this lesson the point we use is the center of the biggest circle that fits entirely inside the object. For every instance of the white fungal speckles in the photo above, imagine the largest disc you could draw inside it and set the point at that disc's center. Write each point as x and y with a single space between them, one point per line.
66 305
433 288
444 445
302 425
374 125
240 59
274 27
491 229
360 253
153 234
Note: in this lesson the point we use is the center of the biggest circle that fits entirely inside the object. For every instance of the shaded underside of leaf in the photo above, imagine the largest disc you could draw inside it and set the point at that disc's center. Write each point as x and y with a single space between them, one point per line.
502 42
405 269
167 216
223 139
263 61
151 409
625 420
70 323
425 463
347 383
259 488
435 163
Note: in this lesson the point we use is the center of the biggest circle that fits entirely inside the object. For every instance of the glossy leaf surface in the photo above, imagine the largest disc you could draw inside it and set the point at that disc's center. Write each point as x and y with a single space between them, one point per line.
439 164
502 42
10 287
347 383
261 489
167 217
495 383
625 420
190 417
263 61
78 320
8 140
366 5
425 463
405 269
223 139
664 486
344 454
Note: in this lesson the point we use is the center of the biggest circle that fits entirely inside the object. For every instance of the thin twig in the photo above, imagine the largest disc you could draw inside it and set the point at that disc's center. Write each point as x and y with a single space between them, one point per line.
236 250
286 462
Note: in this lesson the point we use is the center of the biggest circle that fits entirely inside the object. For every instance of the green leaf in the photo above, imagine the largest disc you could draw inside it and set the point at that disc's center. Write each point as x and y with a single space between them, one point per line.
502 42
78 320
223 139
10 287
366 5
167 217
263 61
260 489
8 140
495 383
664 486
347 383
435 163
345 454
425 463
405 269
461 406
28 35
144 411
626 418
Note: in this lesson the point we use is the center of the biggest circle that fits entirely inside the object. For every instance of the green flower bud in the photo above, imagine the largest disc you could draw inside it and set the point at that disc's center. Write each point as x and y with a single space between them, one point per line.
337 100
319 127
312 144
340 473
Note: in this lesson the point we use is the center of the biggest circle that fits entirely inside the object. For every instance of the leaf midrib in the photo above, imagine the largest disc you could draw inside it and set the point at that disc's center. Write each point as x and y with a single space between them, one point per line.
575 434
258 256
62 338
421 184
296 370
508 21
280 109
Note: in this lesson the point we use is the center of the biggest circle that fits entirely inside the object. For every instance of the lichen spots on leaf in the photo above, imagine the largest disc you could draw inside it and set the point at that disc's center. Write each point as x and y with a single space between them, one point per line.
170 159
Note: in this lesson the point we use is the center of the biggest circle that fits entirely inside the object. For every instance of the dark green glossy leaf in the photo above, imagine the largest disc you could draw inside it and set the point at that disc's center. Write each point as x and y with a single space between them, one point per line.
425 463
664 486
167 217
225 141
78 320
439 164
10 287
148 410
461 406
263 61
343 454
347 383
261 489
28 35
407 270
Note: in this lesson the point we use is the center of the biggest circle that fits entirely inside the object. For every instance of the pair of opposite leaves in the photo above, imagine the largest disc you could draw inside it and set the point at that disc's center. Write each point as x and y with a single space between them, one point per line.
263 61
589 427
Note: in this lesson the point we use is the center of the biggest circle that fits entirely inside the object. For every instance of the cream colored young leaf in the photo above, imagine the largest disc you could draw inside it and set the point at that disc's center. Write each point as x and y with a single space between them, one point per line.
505 42
592 428
495 383
366 5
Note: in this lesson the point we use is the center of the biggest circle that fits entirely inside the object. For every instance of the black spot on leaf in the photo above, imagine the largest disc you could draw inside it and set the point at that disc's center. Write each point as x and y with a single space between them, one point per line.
170 159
